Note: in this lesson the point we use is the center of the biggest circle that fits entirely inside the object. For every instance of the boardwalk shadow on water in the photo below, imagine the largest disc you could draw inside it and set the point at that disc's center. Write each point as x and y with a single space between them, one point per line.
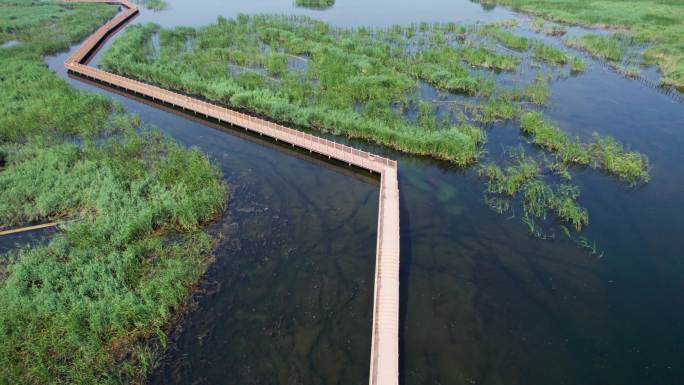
404 276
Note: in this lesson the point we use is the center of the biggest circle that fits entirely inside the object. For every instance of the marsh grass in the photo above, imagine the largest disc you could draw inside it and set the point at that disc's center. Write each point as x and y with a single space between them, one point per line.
101 292
657 22
368 83
356 82
505 38
609 155
550 54
577 65
500 108
155 5
486 58
315 4
93 304
550 29
603 152
46 27
522 179
538 91
609 47
629 70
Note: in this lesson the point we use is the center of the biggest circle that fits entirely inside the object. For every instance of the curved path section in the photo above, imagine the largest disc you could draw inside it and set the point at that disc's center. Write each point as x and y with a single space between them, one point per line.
384 360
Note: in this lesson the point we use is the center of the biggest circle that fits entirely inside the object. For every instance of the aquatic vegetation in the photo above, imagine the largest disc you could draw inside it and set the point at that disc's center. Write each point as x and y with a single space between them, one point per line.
539 198
603 152
658 23
48 27
591 246
550 54
630 70
577 65
155 5
499 108
561 170
368 83
505 38
121 271
486 58
550 29
609 155
354 82
438 67
538 91
609 47
315 4
551 138
93 304
512 179
523 177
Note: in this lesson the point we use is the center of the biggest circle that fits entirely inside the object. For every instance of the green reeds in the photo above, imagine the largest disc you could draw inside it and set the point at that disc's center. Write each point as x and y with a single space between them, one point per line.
656 23
553 55
629 166
603 152
538 91
550 29
91 305
577 65
610 47
315 4
486 58
512 179
505 38
350 80
523 178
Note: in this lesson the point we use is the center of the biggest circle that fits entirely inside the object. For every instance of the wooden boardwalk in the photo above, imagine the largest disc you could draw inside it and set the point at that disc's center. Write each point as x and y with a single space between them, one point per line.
384 360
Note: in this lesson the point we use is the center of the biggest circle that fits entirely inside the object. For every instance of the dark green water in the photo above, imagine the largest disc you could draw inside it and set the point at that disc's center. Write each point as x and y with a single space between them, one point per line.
288 300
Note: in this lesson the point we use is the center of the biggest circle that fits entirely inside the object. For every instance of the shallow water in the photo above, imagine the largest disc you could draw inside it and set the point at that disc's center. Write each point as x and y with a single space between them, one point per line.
18 241
289 299
10 43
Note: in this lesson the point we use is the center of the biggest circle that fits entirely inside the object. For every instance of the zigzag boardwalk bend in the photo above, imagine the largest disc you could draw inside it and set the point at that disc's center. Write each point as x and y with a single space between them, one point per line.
384 359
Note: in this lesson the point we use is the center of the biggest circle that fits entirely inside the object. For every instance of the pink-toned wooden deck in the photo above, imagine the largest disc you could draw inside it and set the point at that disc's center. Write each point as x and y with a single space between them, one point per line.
384 360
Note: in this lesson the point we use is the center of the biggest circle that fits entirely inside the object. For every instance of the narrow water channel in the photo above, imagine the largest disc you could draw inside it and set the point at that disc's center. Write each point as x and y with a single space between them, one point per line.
288 300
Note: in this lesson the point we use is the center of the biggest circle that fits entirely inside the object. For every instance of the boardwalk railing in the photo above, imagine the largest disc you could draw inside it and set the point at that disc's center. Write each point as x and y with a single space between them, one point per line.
384 360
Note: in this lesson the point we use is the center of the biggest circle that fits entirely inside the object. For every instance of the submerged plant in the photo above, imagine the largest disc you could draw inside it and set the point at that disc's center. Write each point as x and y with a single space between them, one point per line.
523 178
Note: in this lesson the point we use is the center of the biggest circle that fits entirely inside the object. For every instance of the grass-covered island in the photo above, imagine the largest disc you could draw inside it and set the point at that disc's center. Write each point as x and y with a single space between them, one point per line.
92 305
426 89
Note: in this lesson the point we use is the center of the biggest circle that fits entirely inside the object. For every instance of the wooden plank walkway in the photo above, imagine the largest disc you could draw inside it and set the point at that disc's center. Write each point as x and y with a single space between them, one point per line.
384 360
